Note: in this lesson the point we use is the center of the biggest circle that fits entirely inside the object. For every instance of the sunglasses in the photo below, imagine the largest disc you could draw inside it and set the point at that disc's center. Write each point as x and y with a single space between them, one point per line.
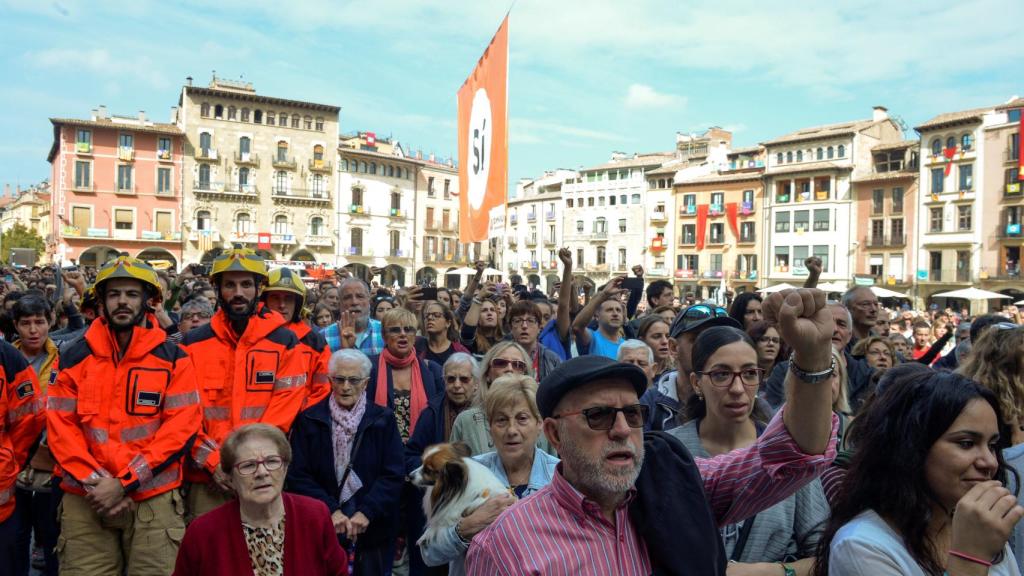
699 313
603 417
454 379
518 365
396 330
353 380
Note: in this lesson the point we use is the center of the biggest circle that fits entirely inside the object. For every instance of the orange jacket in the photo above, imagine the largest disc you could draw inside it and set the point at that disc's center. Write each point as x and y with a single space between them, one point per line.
133 418
258 377
316 355
21 420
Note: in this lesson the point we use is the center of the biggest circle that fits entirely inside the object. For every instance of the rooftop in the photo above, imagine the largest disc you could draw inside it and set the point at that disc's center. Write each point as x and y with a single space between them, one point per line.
1013 103
119 123
824 131
954 118
734 176
901 145
884 176
251 96
650 159
745 150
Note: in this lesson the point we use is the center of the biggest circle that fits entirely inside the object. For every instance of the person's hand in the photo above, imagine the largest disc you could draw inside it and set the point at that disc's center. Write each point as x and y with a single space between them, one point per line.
357 525
613 289
414 294
813 265
480 266
983 520
75 279
347 329
162 317
376 271
565 255
121 506
222 481
340 522
104 494
638 271
484 514
805 323
487 292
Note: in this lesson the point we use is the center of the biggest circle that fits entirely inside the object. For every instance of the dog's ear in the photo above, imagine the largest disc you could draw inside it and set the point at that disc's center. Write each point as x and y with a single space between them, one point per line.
455 473
461 449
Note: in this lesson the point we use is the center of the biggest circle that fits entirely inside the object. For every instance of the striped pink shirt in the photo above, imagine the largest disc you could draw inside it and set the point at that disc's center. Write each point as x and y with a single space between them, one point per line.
558 532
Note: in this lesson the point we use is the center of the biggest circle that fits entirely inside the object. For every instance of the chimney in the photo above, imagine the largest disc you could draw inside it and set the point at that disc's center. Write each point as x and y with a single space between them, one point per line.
431 156
102 112
879 113
7 189
419 154
142 116
188 81
95 113
174 114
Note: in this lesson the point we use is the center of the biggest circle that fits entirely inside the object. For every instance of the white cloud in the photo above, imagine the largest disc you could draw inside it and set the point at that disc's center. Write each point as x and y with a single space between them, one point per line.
99 61
528 128
644 96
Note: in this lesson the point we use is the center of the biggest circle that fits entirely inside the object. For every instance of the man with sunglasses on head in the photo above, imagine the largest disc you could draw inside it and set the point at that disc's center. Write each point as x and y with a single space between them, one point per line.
640 506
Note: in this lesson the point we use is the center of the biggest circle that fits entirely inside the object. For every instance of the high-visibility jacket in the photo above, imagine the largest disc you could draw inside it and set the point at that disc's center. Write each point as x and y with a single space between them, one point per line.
42 459
133 418
21 420
256 377
316 355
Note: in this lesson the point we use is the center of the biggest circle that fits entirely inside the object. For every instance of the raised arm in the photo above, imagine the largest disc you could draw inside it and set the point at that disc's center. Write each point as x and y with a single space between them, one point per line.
813 265
579 325
565 295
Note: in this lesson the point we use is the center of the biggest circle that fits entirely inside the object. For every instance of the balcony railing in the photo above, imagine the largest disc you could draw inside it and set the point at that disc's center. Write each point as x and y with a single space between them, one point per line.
549 216
247 159
318 240
284 163
715 210
323 166
687 240
686 273
301 194
207 155
531 217
659 216
125 153
688 210
746 208
962 275
397 213
164 155
531 242
885 241
357 251
358 210
1009 230
1012 190
1011 155
745 274
658 272
599 235
747 239
83 147
431 225
398 253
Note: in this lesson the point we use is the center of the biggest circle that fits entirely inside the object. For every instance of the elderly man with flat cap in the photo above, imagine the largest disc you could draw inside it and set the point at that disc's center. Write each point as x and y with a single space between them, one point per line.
624 504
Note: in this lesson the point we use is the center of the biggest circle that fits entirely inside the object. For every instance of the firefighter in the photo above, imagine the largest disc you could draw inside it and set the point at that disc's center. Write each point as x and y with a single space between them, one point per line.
121 416
252 371
286 294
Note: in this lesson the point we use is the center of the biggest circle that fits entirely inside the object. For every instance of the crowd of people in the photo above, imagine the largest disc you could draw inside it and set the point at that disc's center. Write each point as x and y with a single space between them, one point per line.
236 419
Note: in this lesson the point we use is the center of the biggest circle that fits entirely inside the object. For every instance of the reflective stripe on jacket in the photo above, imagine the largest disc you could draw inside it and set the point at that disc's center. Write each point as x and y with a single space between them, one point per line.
315 357
21 420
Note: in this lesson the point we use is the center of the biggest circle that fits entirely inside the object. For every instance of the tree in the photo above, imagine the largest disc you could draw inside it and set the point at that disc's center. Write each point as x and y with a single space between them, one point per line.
21 236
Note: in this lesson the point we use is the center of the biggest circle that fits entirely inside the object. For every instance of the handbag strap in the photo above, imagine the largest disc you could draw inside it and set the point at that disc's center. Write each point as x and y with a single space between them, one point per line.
741 541
351 458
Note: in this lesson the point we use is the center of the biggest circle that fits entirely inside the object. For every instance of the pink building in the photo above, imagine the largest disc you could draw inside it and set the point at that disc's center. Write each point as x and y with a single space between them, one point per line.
116 188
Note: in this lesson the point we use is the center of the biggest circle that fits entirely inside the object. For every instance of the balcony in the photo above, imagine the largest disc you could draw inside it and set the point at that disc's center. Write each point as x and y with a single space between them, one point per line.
744 274
164 155
747 239
716 239
431 225
531 217
746 208
125 153
285 163
948 275
549 241
282 239
686 274
357 252
448 226
1012 191
208 155
399 253
431 257
659 216
210 189
358 210
715 210
551 265
513 219
512 241
688 210
599 236
320 166
247 159
531 242
1009 230
658 244
658 272
531 266
597 268
397 214
1011 156
688 241
83 147
242 237
549 216
1006 273
90 187
318 240
886 241
301 196
213 235
712 274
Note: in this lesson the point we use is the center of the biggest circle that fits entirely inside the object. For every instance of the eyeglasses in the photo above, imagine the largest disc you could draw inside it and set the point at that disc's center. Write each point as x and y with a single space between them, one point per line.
724 378
462 379
524 320
353 380
433 315
249 467
603 417
696 314
195 316
772 339
396 330
518 365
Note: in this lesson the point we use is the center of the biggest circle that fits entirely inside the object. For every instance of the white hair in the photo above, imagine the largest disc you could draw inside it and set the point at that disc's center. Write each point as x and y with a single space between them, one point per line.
350 355
463 359
635 345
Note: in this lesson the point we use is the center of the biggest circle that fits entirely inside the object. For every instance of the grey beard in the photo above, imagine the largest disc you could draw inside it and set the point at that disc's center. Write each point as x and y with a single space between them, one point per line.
589 477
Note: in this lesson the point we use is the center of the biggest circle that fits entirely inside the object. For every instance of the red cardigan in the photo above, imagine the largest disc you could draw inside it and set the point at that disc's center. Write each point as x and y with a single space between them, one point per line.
214 544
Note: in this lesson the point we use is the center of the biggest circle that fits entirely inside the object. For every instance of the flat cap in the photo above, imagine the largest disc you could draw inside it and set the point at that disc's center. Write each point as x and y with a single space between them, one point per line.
580 371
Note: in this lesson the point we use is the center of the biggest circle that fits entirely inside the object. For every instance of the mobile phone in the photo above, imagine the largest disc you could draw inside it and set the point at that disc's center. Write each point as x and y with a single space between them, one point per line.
634 285
428 294
199 270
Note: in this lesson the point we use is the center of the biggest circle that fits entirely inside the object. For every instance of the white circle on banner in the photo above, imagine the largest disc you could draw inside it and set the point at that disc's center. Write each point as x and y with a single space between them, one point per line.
479 160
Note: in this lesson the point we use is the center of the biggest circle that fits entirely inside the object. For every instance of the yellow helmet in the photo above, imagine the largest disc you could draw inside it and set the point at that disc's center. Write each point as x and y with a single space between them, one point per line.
286 280
238 260
131 268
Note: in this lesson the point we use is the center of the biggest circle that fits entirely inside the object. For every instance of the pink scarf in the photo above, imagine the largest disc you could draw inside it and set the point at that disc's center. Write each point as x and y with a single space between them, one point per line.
343 433
417 394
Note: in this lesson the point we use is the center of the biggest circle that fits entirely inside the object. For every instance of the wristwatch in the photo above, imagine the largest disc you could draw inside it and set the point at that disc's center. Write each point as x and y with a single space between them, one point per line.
787 569
810 377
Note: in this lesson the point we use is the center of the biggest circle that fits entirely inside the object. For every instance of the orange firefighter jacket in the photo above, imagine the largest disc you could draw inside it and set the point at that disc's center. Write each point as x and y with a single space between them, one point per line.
316 355
21 420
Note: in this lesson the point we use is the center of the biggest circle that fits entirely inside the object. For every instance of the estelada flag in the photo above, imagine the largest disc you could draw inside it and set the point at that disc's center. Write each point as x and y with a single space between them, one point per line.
483 139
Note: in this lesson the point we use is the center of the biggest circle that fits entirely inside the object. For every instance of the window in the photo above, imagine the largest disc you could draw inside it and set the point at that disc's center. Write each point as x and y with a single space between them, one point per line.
126 141
820 153
318 153
600 200
590 202
778 158
430 186
935 265
877 201
611 200
307 122
356 236
205 143
623 261
748 197
316 226
622 199
950 142
270 118
963 218
966 177
395 242
396 201
716 263
963 265
123 219
897 200
600 255
688 262
821 220
783 190
718 199
822 253
295 120
801 220
83 176
568 203
448 189
319 186
690 200
231 112
935 220
124 178
281 182
936 147
896 231
1013 143
244 146
282 151
257 116
81 218
600 225
373 167
717 233
938 175
281 225
622 226
689 235
363 169
877 232
782 258
579 226
163 181
889 161
799 155
966 142
842 151
163 223
203 220
218 111
747 232
831 153
635 199
204 109
163 147
204 177
789 156
800 254
84 140
320 124
782 221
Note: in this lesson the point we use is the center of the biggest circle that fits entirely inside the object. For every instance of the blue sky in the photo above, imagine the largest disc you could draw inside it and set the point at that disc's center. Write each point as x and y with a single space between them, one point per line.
586 77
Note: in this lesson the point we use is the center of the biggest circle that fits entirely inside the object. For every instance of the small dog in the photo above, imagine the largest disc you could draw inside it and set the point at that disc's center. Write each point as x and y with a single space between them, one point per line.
457 485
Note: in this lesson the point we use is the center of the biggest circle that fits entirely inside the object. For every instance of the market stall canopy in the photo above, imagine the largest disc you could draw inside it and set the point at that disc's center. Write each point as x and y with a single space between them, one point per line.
972 294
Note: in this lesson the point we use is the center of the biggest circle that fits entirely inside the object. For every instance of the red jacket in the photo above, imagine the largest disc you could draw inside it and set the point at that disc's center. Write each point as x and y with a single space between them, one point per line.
258 377
214 544
316 355
133 418
21 420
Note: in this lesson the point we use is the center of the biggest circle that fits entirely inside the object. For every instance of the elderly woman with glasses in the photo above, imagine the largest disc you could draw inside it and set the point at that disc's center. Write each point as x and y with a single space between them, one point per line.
347 453
724 415
515 424
263 532
400 380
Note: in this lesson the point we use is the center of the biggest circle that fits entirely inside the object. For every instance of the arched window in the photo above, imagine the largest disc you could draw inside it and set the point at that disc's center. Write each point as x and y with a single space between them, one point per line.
799 155
295 120
282 151
270 118
391 171
778 158
203 220
344 165
966 142
357 238
362 167
319 186
204 109
600 225
205 142
281 225
281 182
316 226
243 178
831 152
307 122
950 142
842 151
396 201
244 145
257 116
318 153
204 177
373 167
936 146
821 153
243 223
218 111
789 157
245 114
231 112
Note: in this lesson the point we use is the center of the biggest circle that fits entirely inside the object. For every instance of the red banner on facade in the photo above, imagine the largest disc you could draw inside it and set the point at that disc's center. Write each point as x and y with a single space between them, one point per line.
263 241
371 139
731 209
702 222
949 153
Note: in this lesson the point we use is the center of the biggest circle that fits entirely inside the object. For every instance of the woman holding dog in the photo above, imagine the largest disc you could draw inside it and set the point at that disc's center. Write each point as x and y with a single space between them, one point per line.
347 453
515 425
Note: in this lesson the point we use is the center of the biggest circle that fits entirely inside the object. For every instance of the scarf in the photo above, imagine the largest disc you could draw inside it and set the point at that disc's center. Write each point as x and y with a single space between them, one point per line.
344 424
417 394
451 412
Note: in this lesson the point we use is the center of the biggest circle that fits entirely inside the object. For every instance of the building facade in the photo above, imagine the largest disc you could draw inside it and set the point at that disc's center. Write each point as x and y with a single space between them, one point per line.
534 229
117 187
438 251
258 173
808 186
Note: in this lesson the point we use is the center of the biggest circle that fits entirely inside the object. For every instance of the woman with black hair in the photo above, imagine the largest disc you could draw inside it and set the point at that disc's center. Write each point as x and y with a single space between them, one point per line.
924 493
746 309
440 337
381 305
724 415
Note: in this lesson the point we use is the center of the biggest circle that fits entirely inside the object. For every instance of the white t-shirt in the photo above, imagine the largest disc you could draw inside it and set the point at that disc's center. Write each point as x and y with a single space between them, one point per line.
867 546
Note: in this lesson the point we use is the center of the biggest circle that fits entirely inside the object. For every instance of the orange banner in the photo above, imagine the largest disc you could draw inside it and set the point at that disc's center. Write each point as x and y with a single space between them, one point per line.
483 140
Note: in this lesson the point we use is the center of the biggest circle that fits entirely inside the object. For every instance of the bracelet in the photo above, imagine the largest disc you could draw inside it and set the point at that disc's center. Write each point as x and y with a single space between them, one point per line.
970 558
459 534
477 301
810 377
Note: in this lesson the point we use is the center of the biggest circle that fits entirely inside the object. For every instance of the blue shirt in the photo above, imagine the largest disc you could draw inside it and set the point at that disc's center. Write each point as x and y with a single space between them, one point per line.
601 346
369 341
549 338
